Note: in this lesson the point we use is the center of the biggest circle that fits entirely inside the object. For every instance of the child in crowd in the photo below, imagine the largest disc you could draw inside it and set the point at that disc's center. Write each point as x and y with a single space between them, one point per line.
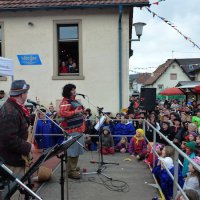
88 142
122 146
191 130
149 160
189 148
192 137
107 141
138 145
166 181
191 195
193 177
167 151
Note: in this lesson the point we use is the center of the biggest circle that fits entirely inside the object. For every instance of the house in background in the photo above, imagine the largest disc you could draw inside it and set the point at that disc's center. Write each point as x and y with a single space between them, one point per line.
57 42
169 74
136 81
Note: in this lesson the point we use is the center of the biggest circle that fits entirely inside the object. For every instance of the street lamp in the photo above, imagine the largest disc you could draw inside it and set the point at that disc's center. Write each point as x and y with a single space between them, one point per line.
138 30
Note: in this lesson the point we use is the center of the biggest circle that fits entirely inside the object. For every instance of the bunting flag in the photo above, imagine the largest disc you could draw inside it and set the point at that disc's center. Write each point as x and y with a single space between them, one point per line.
157 2
174 27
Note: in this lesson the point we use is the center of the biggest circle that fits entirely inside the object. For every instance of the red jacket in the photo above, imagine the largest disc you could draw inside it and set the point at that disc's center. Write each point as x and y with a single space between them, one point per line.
67 110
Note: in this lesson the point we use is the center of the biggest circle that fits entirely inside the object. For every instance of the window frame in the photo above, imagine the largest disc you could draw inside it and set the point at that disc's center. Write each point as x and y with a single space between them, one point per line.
55 51
160 87
173 74
2 78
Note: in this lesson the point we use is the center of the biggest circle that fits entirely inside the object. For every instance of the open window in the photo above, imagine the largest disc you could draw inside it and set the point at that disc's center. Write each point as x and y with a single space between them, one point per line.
68 64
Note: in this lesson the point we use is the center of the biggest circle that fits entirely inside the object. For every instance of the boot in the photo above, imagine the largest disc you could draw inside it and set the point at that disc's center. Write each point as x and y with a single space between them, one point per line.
72 168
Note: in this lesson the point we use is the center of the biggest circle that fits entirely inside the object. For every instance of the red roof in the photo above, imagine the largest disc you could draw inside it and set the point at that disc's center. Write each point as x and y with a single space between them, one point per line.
27 4
159 72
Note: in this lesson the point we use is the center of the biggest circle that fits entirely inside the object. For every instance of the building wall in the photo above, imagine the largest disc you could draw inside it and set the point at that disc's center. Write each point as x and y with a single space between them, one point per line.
99 53
165 78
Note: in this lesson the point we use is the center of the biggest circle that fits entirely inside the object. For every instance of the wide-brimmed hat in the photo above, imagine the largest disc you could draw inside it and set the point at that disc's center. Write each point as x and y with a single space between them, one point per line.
18 87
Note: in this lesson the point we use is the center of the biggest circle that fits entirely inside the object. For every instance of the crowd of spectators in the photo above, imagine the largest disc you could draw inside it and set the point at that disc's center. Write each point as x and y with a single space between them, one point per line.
179 122
126 133
68 66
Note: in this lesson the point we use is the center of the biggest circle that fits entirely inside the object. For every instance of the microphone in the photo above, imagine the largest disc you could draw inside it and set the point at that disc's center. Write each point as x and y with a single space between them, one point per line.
33 102
81 95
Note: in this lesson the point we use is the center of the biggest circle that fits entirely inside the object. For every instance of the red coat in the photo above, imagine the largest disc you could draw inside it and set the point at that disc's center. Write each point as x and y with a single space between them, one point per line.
138 147
66 110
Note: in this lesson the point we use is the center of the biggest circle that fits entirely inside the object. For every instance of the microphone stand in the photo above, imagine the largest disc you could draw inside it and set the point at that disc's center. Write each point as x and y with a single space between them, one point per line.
8 174
101 162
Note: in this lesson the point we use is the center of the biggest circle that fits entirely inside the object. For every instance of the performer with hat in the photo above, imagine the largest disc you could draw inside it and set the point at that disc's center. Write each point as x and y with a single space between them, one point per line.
72 112
15 140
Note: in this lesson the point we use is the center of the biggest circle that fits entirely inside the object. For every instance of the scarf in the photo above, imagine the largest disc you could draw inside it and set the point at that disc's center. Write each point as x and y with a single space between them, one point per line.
22 107
138 139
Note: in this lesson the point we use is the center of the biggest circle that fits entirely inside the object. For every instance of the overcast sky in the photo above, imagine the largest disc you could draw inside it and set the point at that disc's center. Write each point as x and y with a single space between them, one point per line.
159 39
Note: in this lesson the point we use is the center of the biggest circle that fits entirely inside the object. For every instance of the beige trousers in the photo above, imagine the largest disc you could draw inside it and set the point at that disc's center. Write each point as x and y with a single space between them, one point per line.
19 172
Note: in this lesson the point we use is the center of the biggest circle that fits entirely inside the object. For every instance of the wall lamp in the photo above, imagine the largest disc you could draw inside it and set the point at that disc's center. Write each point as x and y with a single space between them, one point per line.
138 30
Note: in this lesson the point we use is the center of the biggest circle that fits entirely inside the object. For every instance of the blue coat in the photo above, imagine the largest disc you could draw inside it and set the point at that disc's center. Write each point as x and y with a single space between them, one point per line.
46 128
166 183
123 129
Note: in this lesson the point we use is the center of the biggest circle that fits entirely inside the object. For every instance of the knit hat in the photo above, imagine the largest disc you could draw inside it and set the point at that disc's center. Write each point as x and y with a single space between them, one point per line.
191 145
106 128
196 160
193 133
141 131
167 161
18 87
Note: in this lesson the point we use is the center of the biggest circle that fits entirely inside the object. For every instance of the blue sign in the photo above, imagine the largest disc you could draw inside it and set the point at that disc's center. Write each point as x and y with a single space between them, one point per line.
29 59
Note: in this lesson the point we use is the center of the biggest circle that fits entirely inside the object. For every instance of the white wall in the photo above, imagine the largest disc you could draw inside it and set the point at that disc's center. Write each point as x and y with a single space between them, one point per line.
165 78
99 47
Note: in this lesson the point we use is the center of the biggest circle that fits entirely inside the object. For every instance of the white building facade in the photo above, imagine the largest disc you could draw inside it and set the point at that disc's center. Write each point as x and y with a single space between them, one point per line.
95 36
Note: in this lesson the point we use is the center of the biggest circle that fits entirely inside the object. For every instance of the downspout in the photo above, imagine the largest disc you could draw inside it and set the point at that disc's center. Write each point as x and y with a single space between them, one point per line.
120 55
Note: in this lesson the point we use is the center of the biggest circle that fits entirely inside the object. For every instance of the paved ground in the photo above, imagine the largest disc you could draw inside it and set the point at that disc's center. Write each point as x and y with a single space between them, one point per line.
128 181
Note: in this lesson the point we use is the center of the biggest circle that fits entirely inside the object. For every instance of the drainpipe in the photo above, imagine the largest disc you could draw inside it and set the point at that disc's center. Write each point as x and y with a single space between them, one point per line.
120 55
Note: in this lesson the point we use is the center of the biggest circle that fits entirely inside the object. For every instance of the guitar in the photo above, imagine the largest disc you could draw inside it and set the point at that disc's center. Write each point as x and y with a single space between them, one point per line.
31 133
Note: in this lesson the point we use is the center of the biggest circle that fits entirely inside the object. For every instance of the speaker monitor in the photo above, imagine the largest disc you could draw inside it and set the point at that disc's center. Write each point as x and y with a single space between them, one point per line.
148 98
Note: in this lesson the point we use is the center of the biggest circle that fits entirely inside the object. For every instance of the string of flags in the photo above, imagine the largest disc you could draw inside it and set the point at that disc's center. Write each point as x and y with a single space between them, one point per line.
173 26
157 2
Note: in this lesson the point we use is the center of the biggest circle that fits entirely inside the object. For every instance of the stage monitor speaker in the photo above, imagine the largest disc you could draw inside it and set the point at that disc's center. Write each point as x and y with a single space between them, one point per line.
148 98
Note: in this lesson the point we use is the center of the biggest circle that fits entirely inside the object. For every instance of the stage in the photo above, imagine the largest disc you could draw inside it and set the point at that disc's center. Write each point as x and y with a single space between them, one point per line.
135 174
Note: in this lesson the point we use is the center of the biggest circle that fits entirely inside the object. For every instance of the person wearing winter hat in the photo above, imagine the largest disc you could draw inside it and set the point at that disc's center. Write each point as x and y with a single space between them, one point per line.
189 148
107 141
166 162
15 134
138 145
166 182
193 177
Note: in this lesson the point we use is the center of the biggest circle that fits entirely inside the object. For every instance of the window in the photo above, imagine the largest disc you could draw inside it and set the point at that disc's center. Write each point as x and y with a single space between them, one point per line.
67 56
173 76
2 78
160 87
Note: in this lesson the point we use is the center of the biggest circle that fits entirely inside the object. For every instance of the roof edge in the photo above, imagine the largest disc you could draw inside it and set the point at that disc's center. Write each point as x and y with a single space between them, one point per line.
74 7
